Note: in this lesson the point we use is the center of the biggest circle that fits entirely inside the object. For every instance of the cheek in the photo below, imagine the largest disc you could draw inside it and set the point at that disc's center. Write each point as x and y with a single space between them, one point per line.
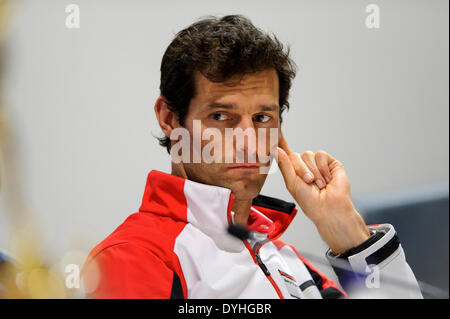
275 139
212 146
267 139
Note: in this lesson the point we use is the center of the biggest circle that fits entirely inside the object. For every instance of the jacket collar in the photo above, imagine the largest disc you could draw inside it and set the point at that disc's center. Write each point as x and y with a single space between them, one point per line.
208 207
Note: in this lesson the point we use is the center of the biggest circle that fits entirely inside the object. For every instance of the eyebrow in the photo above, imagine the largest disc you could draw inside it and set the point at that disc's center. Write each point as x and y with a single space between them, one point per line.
217 105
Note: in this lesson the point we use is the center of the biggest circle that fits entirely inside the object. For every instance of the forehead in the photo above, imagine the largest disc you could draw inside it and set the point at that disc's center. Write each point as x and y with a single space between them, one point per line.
262 84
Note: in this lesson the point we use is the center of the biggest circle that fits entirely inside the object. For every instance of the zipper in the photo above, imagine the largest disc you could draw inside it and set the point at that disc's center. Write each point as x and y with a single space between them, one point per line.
262 266
258 258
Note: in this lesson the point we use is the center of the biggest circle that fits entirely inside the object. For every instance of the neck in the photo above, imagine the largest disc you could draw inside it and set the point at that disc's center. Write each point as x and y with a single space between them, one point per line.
241 209
178 170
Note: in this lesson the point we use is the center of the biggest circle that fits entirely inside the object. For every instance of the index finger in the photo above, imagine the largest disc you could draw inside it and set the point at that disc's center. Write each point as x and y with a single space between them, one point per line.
284 145
301 169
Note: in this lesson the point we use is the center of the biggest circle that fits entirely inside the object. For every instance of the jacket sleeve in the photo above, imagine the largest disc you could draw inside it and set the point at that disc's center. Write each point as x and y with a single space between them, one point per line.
377 268
129 271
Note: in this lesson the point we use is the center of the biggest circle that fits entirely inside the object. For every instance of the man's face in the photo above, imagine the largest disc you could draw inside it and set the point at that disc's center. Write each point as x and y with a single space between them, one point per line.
249 104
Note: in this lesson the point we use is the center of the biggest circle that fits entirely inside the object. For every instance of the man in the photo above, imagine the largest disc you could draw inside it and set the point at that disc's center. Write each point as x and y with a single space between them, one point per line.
204 231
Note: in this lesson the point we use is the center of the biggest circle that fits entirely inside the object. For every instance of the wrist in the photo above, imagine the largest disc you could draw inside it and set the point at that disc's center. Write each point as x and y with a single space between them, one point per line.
349 243
343 232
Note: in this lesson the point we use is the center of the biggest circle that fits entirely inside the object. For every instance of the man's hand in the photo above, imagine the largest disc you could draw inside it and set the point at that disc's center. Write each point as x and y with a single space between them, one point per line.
320 186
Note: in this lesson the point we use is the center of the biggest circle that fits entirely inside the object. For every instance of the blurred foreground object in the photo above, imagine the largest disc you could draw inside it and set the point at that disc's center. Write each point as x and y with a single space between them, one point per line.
4 9
25 275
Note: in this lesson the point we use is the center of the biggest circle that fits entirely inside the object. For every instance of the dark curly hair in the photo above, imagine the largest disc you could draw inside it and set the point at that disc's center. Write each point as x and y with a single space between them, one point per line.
220 49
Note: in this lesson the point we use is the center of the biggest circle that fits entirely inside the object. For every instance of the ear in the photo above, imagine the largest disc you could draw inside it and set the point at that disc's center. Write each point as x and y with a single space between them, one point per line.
166 118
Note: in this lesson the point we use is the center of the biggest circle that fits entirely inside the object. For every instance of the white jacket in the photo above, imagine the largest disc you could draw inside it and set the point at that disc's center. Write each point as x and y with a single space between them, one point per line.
180 245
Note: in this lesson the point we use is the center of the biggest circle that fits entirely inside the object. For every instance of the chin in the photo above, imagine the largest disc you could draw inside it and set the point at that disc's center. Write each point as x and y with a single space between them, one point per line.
245 184
246 189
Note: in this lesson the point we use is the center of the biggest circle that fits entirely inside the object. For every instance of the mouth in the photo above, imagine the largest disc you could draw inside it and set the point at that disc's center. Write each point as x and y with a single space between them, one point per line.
244 167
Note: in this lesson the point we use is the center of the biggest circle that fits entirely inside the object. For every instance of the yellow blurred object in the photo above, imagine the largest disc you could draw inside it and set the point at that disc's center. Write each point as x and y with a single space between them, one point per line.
27 275
34 278
4 12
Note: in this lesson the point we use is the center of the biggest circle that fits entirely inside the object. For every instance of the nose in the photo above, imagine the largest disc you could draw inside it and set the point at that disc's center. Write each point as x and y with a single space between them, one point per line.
246 140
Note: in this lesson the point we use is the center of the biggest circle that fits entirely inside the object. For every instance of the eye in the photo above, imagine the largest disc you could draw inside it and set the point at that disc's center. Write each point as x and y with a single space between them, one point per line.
262 118
219 116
